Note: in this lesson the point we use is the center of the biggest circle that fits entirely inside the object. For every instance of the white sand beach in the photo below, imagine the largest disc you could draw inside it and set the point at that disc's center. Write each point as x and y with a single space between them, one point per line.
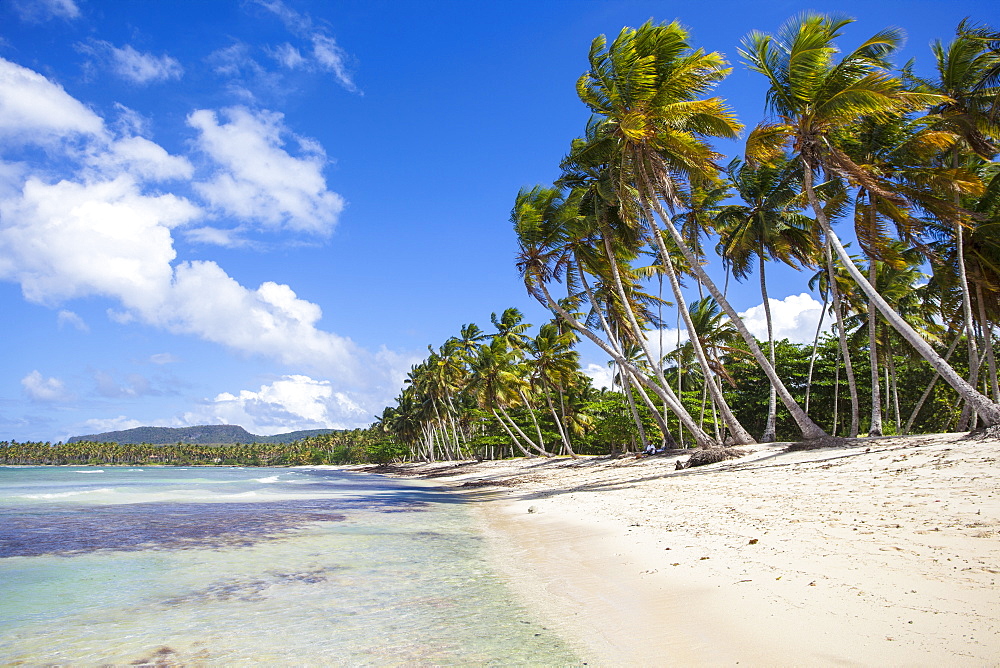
868 552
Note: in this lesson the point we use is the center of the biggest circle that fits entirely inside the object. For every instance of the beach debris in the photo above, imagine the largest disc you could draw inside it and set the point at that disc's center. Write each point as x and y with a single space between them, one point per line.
753 541
532 509
711 456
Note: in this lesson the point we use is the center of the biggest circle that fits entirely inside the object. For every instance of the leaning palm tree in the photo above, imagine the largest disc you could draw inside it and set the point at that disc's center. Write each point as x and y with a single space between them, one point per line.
966 111
768 225
816 99
498 383
554 364
651 124
556 246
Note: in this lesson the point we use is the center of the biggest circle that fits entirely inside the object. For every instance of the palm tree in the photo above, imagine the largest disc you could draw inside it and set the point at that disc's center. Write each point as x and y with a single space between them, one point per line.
989 77
620 239
767 226
554 366
497 383
967 113
556 244
651 126
818 100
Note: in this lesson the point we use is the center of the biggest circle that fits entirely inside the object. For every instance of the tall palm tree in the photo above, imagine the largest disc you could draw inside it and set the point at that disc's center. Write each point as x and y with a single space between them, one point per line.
818 99
497 383
554 366
966 112
620 238
555 245
767 226
651 125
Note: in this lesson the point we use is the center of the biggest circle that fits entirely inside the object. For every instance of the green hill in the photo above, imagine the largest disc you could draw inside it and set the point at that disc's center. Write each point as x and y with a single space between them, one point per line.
209 434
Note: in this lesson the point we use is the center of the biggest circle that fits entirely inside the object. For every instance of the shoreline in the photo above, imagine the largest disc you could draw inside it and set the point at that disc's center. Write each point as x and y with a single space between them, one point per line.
881 551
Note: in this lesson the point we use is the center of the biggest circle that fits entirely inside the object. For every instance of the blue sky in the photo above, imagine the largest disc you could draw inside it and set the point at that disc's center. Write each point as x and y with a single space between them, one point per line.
262 212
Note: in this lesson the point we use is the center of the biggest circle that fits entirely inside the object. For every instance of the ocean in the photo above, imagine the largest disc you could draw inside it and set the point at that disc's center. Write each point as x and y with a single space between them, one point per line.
240 566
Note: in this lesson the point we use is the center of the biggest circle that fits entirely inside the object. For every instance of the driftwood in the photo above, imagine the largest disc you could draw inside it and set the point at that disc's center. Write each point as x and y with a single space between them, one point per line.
711 456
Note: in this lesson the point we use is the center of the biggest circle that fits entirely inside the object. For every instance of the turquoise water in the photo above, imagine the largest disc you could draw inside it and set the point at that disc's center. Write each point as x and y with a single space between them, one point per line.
240 566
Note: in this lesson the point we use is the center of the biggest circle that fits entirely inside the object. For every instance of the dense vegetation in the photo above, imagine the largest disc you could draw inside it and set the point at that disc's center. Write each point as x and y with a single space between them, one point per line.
331 448
209 434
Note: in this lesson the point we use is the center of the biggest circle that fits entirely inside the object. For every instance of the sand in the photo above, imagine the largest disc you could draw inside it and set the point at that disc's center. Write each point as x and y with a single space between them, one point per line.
868 552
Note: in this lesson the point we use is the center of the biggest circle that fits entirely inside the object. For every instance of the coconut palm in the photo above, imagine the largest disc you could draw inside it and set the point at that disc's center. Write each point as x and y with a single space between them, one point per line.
651 126
768 225
497 382
818 100
556 244
966 112
554 366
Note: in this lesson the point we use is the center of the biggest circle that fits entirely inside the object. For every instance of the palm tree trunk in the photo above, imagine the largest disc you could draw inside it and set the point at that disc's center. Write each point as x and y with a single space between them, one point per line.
704 401
895 389
875 429
740 435
627 390
653 410
842 337
540 447
559 426
809 429
987 328
812 358
614 351
640 334
770 427
513 438
966 296
836 396
989 411
930 385
534 421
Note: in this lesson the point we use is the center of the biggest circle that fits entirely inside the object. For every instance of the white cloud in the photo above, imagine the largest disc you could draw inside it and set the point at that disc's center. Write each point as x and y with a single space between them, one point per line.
130 122
141 158
793 318
163 358
39 388
270 321
288 56
35 110
232 60
326 53
134 385
104 425
133 65
217 237
70 240
258 180
68 318
43 10
332 58
600 376
291 403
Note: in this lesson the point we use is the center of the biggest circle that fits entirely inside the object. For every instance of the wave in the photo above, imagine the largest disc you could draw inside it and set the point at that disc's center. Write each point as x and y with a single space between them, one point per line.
90 471
60 495
267 480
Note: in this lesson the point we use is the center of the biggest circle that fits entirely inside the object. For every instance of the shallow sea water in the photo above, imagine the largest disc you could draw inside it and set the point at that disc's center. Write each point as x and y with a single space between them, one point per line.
239 566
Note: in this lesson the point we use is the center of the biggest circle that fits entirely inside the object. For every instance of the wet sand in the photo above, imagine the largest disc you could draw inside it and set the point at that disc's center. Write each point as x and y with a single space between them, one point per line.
865 552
